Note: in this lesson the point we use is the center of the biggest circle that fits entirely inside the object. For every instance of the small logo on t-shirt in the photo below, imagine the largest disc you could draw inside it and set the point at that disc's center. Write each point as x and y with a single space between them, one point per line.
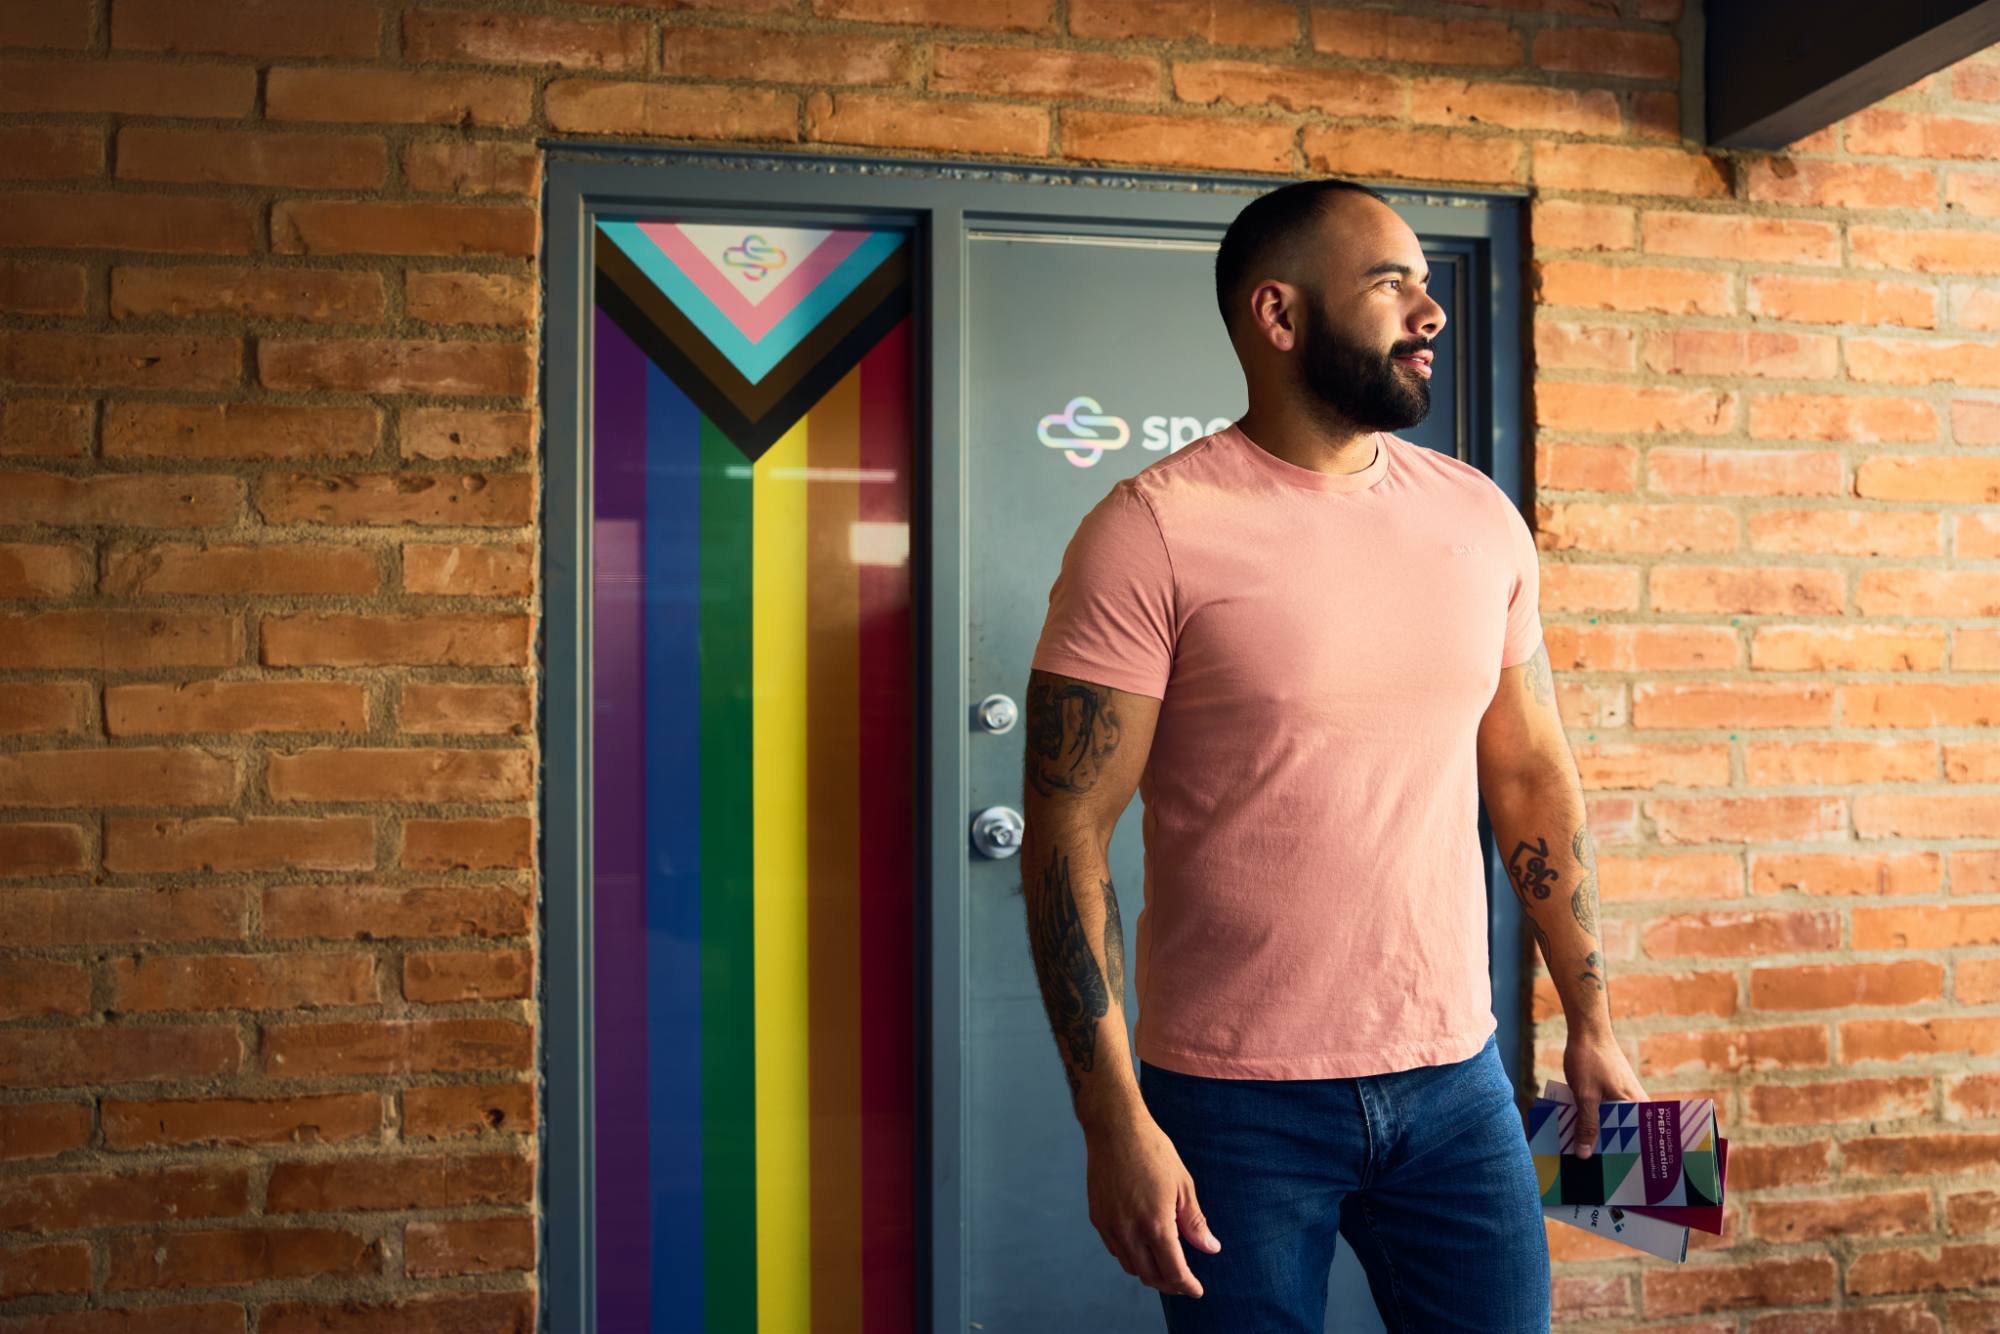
1465 548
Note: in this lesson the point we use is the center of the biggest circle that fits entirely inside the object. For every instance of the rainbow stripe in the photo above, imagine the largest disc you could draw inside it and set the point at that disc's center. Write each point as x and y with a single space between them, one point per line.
753 873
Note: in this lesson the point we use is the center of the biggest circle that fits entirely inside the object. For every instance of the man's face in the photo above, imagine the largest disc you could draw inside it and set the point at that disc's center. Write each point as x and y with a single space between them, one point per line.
1366 315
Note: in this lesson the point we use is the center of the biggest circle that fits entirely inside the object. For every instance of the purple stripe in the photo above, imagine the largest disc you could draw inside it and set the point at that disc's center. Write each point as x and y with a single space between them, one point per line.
618 437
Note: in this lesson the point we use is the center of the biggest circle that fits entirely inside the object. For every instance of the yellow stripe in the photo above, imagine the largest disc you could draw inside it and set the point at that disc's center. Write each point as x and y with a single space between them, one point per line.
778 742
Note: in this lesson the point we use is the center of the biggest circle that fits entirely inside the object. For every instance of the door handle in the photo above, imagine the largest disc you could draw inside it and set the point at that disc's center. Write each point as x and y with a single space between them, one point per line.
996 831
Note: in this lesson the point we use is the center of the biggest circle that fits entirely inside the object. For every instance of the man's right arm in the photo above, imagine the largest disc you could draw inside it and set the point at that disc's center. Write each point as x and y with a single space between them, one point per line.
1085 747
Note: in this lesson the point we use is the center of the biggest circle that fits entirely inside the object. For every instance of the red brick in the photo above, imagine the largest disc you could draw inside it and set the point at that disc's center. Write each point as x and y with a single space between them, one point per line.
1708 935
1637 409
401 1182
393 1046
1831 986
472 710
1037 16
474 167
484 1312
468 639
152 1318
89 1057
237 430
1514 106
1928 592
1590 1298
1368 150
503 843
1236 83
370 774
246 843
466 433
497 300
1901 1039
1829 1102
59 1267
1763 1166
208 1259
247 27
1735 704
1932 1269
327 296
41 289
42 570
1697 875
435 977
889 121
306 1119
522 39
235 706
339 227
44 708
1924 250
46 917
1813 648
491 500
1619 52
242 982
1731 1050
50 152
1888 1214
30 849
121 361
1635 288
63 23
1561 224
1926 926
1641 995
1372 34
128 87
44 427
120 640
769 55
148 500
1815 300
118 776
1253 143
1841 185
392 366
56 1202
454 1111
1845 874
468 570
383 96
1874 419
34 988
225 568
470 1246
681 111
381 912
1791 1281
43 1129
253 157
124 221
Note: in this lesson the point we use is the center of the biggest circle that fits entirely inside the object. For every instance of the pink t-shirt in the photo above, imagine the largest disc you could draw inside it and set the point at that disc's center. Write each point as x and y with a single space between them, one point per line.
1323 646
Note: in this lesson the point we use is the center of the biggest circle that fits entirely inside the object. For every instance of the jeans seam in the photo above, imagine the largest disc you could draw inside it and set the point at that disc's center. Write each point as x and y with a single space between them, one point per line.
1388 1263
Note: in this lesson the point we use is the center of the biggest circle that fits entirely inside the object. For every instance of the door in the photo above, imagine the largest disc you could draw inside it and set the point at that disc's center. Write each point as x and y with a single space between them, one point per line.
1088 356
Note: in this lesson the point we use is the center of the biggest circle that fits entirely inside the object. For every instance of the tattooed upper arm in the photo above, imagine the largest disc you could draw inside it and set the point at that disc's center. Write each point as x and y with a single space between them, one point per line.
1521 733
1085 747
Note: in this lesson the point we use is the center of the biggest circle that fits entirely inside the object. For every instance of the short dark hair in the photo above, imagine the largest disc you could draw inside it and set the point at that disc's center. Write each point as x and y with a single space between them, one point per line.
1267 234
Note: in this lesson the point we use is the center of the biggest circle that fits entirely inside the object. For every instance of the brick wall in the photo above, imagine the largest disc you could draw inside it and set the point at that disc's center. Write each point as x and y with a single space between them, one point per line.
267 548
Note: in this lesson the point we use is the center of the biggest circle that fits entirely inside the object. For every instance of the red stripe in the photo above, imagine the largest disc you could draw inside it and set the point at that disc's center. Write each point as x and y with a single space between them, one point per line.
887 706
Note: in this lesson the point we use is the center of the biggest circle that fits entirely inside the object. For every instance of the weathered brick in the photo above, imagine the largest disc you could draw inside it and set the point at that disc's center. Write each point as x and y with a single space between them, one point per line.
389 912
401 1182
698 111
1788 1281
253 157
226 568
1828 1101
34 988
128 87
242 982
235 706
390 366
439 976
384 96
374 774
41 569
114 1054
50 152
43 1129
44 708
472 710
339 227
462 37
34 848
472 167
1360 150
58 1201
503 843
469 1246
248 27
447 1313
306 1119
120 640
247 843
238 430
50 917
44 427
143 500
120 361
58 23
1365 34
769 55
466 433
118 776
392 1046
219 1258
454 1111
468 570
1025 72
443 639
41 289
499 300
490 500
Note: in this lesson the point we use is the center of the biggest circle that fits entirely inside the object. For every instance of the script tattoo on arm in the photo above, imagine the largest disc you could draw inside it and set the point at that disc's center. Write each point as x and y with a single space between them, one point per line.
1073 989
1114 944
1530 869
1072 730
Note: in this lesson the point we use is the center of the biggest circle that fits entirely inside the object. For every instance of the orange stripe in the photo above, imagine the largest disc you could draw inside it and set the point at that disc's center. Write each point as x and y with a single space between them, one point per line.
833 850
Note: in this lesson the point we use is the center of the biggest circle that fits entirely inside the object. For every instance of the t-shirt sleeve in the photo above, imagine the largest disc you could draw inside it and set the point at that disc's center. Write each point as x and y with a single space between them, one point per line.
1524 621
1111 609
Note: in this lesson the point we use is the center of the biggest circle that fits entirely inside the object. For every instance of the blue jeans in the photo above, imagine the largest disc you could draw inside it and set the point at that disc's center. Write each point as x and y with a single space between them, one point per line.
1425 1172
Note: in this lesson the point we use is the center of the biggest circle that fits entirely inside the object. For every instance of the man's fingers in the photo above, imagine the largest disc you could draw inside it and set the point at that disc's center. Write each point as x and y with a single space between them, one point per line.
1194 1226
1172 1265
1586 1128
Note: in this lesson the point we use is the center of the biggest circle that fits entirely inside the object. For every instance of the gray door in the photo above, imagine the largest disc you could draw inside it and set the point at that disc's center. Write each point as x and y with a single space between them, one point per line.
1088 356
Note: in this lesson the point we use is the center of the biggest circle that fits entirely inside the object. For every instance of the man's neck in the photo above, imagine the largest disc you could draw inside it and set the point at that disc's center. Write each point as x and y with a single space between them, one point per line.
1308 444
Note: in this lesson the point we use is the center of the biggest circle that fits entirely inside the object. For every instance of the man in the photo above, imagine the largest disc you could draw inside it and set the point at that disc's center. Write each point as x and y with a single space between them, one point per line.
1311 647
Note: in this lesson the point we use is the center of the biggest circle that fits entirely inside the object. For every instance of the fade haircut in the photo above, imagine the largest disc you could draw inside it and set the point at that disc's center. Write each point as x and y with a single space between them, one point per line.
1269 238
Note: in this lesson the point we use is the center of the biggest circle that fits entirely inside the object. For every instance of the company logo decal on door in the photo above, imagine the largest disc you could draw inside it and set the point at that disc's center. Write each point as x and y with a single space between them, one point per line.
1083 431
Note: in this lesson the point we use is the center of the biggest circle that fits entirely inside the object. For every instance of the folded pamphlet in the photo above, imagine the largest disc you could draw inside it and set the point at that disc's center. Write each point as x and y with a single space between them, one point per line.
1658 1229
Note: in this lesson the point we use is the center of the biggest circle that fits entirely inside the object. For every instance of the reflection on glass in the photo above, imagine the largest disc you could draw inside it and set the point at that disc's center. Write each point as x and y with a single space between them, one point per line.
753 713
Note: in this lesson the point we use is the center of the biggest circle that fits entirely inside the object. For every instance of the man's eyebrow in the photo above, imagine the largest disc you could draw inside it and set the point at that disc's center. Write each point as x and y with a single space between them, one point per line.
1390 266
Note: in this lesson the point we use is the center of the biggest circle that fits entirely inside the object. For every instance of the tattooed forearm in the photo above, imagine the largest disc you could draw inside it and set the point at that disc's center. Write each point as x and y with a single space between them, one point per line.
1583 903
1593 971
1073 989
1114 943
1072 730
1541 682
1529 866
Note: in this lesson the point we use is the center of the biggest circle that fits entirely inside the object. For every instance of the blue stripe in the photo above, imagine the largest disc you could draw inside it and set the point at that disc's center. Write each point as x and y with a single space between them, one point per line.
673 850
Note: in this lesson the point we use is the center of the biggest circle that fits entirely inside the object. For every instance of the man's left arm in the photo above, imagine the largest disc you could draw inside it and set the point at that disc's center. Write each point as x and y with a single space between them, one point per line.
1534 798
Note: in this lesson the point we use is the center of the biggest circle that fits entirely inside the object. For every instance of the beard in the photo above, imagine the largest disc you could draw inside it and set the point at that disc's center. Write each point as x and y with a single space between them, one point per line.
1354 384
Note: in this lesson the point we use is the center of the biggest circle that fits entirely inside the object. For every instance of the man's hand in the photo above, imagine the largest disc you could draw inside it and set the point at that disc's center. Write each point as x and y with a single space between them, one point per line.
1142 1203
1595 1068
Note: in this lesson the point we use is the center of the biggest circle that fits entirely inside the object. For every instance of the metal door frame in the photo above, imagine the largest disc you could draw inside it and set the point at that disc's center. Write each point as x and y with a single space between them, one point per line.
940 201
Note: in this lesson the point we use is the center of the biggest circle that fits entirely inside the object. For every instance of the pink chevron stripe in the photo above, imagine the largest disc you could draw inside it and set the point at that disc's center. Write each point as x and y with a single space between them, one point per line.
752 321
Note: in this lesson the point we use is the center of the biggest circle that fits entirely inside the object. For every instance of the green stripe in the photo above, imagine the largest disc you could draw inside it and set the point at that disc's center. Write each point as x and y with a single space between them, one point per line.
728 977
